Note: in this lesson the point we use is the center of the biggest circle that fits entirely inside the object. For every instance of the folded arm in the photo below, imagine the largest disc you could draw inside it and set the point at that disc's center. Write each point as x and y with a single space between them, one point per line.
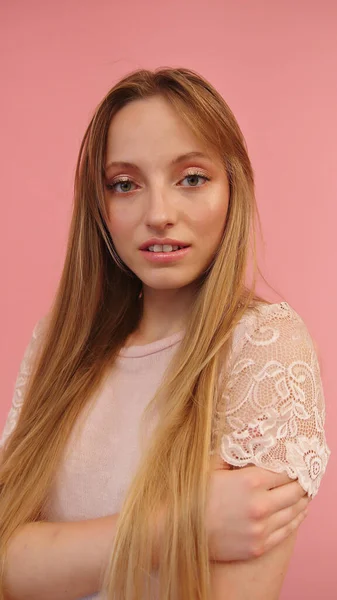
256 579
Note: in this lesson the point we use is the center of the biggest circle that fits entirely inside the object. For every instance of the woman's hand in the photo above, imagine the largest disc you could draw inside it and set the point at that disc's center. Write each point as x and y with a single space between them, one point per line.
250 510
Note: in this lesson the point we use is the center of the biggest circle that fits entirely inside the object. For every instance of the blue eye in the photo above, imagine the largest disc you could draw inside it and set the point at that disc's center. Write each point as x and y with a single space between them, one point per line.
194 177
122 182
126 184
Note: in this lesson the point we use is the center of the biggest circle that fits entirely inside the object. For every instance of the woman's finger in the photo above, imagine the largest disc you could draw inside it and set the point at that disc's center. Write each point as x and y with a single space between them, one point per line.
284 497
274 480
280 535
284 517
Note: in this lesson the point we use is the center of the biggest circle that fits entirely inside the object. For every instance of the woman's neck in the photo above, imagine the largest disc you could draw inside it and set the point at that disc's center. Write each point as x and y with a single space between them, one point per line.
164 314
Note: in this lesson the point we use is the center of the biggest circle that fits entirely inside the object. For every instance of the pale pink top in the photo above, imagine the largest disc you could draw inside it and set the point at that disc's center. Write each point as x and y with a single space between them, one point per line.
273 415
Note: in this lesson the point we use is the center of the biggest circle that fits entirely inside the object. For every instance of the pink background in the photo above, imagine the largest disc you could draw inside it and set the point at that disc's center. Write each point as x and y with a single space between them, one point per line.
275 63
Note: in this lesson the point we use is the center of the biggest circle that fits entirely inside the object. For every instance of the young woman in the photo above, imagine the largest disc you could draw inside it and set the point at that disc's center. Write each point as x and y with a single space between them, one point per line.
153 311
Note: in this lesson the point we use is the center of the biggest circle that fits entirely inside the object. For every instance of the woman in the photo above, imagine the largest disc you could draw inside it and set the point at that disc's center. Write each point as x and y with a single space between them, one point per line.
153 312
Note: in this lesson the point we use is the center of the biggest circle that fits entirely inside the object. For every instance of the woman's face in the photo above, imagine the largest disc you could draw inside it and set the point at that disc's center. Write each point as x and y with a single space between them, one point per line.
163 188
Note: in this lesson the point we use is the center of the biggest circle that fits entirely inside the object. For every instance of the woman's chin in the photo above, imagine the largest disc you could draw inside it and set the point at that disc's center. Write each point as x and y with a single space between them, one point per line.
165 282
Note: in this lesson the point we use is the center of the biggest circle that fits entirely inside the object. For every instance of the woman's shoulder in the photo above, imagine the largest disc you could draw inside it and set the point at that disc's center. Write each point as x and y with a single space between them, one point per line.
25 368
272 408
265 324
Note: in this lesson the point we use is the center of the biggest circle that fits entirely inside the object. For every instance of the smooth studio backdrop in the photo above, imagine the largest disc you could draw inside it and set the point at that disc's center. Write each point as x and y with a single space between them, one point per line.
275 63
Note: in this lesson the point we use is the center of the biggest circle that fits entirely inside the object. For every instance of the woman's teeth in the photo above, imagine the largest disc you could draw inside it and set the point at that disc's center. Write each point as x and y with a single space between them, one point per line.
164 248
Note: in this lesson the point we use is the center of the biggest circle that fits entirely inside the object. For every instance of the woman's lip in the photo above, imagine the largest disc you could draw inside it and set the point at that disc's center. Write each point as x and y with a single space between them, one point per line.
165 257
166 242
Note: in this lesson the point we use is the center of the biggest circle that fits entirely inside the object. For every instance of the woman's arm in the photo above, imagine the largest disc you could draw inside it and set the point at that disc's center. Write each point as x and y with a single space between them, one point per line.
250 511
273 535
67 560
256 579
273 417
58 560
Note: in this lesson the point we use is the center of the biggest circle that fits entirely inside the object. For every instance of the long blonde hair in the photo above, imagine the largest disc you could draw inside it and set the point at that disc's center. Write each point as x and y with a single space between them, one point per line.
96 308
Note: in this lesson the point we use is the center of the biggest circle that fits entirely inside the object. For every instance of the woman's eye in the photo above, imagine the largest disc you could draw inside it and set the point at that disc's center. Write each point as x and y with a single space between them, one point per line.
125 186
194 178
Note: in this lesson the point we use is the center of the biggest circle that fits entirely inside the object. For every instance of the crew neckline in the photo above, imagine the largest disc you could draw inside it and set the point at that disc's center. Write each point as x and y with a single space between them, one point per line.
171 340
152 347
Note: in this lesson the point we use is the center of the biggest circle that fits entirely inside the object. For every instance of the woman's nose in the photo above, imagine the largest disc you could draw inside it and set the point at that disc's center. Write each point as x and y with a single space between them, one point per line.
160 210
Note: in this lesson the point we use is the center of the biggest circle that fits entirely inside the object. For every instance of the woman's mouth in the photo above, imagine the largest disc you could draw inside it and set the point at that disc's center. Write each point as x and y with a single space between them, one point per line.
164 248
165 253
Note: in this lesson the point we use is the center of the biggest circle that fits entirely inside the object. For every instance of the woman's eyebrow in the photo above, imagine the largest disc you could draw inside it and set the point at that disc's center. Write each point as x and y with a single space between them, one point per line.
189 155
175 161
122 165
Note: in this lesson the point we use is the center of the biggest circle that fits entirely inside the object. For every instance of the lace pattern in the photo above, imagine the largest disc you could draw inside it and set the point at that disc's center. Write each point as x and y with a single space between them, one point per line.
21 382
273 411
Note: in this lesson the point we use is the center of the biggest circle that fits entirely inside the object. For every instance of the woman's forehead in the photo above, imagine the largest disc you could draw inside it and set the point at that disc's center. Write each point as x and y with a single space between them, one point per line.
151 129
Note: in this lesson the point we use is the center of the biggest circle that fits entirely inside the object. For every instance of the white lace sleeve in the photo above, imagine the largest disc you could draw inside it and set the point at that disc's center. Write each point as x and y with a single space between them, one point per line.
273 412
21 381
